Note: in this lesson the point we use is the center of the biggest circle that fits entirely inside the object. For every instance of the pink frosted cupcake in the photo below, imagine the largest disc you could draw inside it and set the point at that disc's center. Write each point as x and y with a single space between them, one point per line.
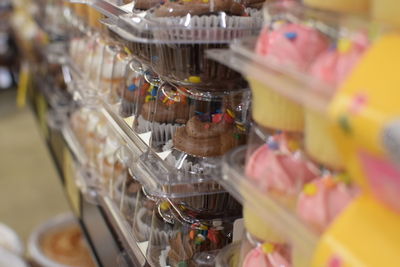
292 46
279 167
331 67
322 200
268 255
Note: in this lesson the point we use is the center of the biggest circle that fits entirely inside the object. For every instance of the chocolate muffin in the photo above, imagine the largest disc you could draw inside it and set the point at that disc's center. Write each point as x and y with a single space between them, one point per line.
186 29
163 115
201 237
204 138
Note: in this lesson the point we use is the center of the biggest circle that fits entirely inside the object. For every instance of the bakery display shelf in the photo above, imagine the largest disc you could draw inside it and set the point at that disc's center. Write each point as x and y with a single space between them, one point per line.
108 235
116 223
121 126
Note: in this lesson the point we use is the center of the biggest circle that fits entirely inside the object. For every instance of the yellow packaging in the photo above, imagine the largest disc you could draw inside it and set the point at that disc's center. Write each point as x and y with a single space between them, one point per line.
386 10
352 6
362 110
366 234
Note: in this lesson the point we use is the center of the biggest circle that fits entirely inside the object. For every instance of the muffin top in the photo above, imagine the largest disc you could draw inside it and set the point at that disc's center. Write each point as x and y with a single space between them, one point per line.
179 8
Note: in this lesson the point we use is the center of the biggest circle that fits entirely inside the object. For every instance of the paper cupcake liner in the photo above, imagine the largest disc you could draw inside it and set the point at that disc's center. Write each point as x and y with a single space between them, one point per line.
182 46
141 228
274 111
144 52
127 108
164 256
207 29
161 132
142 125
125 201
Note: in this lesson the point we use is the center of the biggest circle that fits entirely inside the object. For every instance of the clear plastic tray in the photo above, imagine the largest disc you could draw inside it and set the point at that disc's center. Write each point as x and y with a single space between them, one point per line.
270 212
174 166
181 237
176 46
295 66
296 84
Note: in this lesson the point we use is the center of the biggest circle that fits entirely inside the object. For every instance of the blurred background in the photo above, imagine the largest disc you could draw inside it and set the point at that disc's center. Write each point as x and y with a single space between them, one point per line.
30 188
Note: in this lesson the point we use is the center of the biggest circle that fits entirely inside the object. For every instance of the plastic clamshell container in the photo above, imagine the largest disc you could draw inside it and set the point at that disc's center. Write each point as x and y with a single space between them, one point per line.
292 83
177 120
177 45
270 212
143 215
292 93
180 236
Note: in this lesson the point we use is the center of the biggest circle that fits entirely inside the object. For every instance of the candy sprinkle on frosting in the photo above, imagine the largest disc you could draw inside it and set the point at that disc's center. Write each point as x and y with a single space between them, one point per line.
199 239
230 113
268 248
164 205
291 35
310 189
132 87
193 79
329 183
344 45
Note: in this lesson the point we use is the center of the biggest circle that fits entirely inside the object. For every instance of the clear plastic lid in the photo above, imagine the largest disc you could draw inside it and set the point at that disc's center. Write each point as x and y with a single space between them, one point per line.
176 45
178 237
177 121
112 75
262 59
278 166
123 188
137 39
135 89
294 67
285 218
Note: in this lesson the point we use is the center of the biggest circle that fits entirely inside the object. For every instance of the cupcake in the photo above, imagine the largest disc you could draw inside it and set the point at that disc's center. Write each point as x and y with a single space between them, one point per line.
331 67
135 89
178 163
166 113
278 166
207 138
161 231
187 244
109 165
126 190
146 94
215 126
268 255
186 29
117 86
142 219
322 200
112 75
291 46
